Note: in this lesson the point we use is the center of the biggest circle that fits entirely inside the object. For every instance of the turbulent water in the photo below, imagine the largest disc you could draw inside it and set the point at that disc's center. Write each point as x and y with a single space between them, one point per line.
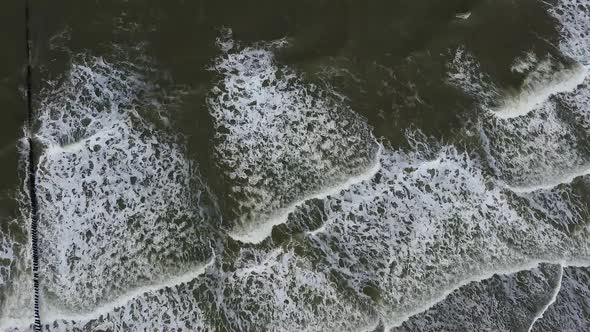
400 176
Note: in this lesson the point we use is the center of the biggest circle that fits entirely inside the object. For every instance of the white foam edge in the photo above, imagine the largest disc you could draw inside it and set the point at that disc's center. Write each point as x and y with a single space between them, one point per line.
258 232
539 315
551 183
75 146
463 16
508 270
371 328
527 101
51 315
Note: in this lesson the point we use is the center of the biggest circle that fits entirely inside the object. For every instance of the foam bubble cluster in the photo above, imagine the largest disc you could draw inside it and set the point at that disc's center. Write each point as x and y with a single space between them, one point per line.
428 222
465 72
541 144
408 240
16 284
16 287
533 150
261 290
544 80
501 303
536 138
173 308
425 224
569 311
6 258
574 20
278 290
279 139
119 205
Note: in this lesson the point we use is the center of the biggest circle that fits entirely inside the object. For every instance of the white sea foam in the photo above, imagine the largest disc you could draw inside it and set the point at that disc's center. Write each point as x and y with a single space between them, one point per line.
283 285
463 16
539 148
534 140
16 284
16 311
278 290
115 193
6 255
16 324
553 182
573 17
273 290
260 231
502 302
425 226
525 63
465 72
431 214
568 311
537 89
171 307
551 301
121 308
51 314
281 141
533 151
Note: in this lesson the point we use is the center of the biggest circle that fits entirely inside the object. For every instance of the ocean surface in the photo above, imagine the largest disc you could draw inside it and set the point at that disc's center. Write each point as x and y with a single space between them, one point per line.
325 165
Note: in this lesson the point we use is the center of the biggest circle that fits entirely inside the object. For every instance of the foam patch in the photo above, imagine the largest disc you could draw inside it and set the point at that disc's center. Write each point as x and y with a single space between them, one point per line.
6 257
577 105
426 224
537 148
533 151
171 309
175 306
260 290
574 20
279 290
17 293
563 206
16 284
465 72
536 138
115 193
569 311
543 79
501 303
280 140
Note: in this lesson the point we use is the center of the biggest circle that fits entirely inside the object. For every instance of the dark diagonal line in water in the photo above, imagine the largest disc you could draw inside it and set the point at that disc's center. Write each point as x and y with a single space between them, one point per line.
31 170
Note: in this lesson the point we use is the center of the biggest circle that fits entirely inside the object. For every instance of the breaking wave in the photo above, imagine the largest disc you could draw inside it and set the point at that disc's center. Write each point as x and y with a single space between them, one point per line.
115 193
280 140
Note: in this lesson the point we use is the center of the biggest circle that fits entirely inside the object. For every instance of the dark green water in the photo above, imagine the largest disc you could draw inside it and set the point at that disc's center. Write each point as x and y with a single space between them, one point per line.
323 165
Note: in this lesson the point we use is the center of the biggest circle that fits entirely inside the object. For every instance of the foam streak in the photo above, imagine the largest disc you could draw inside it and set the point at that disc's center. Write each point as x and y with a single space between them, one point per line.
553 298
565 179
263 230
55 315
527 101
488 274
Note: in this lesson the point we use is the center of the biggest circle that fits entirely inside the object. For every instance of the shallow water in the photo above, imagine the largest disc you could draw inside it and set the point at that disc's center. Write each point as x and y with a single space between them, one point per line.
289 166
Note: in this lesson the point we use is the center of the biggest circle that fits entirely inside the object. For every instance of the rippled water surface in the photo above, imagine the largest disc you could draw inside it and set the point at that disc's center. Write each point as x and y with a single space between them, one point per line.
297 165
